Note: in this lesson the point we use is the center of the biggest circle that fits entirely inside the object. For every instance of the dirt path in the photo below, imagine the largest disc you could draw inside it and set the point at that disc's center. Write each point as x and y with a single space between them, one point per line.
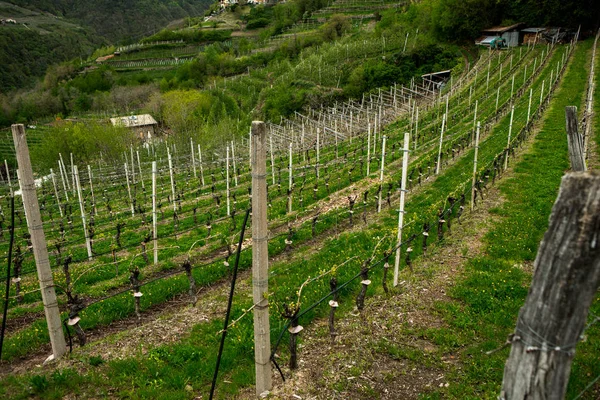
371 356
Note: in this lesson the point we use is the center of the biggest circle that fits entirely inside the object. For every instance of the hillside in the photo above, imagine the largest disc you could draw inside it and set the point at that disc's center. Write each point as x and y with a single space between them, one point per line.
144 237
50 32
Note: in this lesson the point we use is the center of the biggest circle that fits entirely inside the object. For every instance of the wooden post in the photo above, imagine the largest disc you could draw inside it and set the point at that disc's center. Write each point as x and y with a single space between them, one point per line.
260 260
65 181
193 158
227 182
129 188
475 166
154 233
497 98
38 240
368 149
172 180
10 188
132 166
510 127
201 167
512 88
565 282
475 114
140 168
91 189
290 182
72 176
381 173
88 243
401 211
55 191
529 106
273 158
542 93
64 169
575 140
416 129
439 158
235 179
318 151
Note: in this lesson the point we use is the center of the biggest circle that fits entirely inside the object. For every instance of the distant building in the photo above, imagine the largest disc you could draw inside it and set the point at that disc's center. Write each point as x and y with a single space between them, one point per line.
511 34
145 126
532 35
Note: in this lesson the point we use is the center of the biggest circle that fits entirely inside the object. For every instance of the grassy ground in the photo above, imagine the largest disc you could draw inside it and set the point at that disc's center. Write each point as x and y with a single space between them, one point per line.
489 295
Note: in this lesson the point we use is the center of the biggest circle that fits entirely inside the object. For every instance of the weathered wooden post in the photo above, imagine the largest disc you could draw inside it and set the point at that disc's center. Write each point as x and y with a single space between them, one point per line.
260 259
401 212
272 158
475 166
38 240
227 183
129 189
55 191
154 234
94 208
575 140
63 174
137 153
439 158
235 178
529 106
381 173
193 158
172 181
510 127
368 148
88 244
201 167
8 177
565 282
290 181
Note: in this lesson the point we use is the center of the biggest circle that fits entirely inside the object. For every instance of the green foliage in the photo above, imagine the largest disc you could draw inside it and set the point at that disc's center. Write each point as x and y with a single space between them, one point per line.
96 361
189 35
87 141
122 19
26 54
457 20
258 17
39 383
401 68
283 101
98 80
336 27
185 110
462 20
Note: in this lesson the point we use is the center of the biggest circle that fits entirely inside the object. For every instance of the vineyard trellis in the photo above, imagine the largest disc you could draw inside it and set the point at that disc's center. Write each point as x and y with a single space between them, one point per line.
328 160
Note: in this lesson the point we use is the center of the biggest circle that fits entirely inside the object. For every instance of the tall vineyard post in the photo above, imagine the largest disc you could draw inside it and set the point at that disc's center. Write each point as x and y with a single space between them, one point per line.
260 260
154 233
38 240
401 211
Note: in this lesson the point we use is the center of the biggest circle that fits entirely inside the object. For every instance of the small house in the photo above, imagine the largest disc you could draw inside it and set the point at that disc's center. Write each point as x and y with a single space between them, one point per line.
145 126
532 35
511 34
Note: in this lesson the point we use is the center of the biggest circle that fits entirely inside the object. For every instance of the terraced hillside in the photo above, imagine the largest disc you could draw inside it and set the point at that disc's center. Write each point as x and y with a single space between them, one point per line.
332 213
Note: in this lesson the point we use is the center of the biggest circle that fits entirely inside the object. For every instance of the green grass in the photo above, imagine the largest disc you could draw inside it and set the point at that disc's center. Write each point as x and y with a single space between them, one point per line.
495 285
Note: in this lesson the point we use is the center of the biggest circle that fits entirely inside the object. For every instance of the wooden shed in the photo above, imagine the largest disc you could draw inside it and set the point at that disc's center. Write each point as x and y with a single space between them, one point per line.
144 125
532 35
511 33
